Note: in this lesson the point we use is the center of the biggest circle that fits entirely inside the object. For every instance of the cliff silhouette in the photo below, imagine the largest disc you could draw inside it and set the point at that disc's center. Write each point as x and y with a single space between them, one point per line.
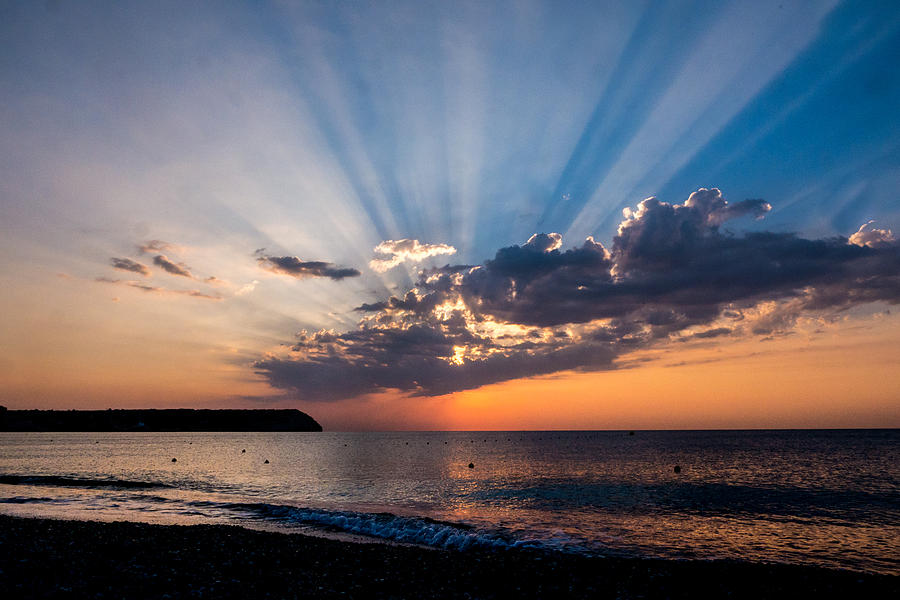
180 419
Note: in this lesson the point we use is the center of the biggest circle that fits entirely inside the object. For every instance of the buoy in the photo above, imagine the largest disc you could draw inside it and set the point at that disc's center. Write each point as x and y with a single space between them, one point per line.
630 433
174 460
677 469
471 465
265 462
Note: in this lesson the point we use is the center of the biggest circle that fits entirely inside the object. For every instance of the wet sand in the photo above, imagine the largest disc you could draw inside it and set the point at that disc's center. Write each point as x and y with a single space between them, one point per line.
42 558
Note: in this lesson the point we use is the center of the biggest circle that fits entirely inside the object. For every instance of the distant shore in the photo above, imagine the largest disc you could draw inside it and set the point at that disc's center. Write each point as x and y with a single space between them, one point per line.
43 558
157 419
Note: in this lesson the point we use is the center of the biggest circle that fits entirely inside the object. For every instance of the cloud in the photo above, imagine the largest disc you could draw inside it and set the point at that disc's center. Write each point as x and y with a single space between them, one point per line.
162 261
152 246
670 275
872 237
199 294
544 242
152 289
712 333
294 267
141 286
399 251
126 264
658 235
409 369
247 288
170 267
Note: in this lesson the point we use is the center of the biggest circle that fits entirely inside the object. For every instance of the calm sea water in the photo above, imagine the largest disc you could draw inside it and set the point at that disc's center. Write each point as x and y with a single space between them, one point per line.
829 498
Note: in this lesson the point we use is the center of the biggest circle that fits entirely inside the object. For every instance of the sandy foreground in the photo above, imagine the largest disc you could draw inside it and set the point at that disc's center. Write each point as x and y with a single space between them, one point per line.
42 558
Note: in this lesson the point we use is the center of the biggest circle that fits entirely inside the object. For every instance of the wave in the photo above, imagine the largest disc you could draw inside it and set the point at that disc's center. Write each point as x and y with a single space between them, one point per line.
386 526
24 500
62 481
412 530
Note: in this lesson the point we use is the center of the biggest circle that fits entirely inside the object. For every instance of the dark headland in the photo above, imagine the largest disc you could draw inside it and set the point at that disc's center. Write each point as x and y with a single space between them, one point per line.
180 419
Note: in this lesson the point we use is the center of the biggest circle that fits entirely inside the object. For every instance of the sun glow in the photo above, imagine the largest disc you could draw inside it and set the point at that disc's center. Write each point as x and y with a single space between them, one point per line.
459 353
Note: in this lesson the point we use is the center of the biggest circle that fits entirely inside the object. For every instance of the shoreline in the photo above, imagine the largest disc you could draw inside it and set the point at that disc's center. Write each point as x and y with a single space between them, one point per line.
50 557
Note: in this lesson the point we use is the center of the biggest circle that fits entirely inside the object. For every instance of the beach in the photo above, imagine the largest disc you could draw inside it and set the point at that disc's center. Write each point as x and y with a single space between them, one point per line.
42 558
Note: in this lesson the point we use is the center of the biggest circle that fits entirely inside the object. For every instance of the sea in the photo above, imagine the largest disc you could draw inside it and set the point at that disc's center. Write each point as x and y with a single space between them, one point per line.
827 498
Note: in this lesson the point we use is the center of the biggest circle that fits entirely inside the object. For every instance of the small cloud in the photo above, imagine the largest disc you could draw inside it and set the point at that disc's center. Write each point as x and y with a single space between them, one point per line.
405 250
151 246
247 288
152 289
143 286
712 333
126 264
170 267
544 242
213 280
871 237
371 307
294 267
711 206
199 294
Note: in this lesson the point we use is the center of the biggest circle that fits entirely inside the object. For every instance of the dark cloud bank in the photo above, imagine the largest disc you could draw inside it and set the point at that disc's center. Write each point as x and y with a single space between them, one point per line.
671 275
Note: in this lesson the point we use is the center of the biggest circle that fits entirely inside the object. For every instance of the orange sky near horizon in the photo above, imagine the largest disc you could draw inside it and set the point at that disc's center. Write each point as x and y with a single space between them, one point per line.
848 378
88 354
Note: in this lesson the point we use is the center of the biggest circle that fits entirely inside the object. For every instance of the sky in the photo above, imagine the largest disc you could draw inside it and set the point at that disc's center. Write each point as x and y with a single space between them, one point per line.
454 215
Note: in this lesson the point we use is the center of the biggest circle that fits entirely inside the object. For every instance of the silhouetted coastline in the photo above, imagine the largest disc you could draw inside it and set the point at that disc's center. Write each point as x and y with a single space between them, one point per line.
181 419
44 558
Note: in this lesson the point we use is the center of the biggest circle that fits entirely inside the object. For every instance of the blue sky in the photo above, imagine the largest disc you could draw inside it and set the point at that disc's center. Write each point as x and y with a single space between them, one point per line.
475 124
319 130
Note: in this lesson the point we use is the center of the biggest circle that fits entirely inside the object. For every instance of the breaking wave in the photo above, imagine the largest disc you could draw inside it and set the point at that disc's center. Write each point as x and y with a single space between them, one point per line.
386 526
